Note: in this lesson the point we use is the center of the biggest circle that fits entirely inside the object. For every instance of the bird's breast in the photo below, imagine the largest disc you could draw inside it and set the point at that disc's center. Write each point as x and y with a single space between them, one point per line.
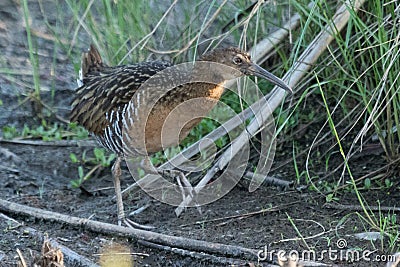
171 119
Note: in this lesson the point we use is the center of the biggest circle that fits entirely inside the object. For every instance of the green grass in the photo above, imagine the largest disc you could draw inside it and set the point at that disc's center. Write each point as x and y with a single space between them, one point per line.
46 132
100 159
33 57
358 85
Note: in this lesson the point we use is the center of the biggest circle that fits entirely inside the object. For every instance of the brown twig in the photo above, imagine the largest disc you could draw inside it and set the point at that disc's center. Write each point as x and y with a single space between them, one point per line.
339 206
270 180
21 258
59 143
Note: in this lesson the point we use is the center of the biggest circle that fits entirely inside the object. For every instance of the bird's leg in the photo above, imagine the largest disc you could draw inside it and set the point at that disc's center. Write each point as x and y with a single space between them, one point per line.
174 174
181 178
116 171
183 183
147 166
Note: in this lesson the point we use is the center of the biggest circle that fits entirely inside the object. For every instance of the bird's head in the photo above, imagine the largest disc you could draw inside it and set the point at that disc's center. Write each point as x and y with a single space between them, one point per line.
241 61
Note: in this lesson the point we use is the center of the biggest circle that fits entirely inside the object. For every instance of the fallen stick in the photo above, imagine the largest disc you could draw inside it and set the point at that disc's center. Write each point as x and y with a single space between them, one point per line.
21 258
350 207
106 228
180 245
59 143
270 180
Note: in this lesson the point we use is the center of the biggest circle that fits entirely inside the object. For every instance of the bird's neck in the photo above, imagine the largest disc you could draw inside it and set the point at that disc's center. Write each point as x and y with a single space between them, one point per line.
217 91
212 76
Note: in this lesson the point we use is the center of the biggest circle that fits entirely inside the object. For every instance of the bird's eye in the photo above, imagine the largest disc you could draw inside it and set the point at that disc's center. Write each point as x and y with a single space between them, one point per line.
237 60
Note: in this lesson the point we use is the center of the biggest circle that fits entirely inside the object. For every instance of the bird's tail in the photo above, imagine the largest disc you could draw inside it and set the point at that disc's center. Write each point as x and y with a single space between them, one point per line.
91 62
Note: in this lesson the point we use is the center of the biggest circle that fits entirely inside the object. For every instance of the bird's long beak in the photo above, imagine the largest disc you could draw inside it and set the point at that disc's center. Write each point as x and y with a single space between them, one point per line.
256 70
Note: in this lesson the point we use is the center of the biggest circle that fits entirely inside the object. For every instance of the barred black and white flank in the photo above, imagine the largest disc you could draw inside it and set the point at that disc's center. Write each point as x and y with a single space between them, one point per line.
103 97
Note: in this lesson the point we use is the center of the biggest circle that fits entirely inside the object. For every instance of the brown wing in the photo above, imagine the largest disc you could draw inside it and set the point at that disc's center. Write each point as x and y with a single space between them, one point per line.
107 89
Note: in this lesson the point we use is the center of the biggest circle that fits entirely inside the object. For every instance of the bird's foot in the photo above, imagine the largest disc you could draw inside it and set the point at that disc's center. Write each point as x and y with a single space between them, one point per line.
131 224
184 185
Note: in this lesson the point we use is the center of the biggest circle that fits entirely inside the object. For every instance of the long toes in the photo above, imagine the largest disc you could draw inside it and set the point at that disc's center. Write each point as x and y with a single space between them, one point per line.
135 225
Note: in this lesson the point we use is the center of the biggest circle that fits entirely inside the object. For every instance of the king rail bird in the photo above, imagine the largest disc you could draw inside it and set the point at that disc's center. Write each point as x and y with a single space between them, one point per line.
105 104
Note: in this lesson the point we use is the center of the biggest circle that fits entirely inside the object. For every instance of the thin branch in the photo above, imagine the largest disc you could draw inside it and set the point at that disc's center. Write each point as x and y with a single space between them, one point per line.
339 206
270 180
59 143
21 258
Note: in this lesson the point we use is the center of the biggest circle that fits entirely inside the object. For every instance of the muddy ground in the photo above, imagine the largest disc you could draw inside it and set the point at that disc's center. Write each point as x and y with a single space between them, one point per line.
39 176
